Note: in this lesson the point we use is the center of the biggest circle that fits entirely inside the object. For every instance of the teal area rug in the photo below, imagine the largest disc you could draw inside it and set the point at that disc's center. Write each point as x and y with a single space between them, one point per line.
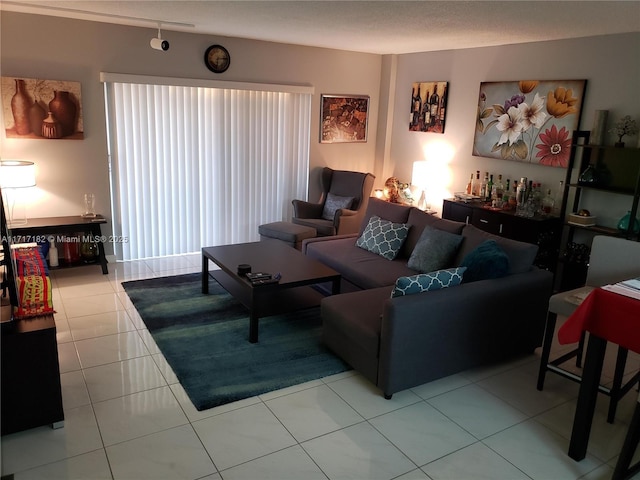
205 340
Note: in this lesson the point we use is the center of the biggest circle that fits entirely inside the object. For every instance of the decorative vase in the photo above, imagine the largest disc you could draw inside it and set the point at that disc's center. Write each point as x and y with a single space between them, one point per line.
599 127
623 224
589 176
37 114
64 109
619 144
89 252
51 127
20 105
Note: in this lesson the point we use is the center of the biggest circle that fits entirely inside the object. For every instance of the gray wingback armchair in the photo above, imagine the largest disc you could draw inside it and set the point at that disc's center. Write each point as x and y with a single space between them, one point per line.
342 204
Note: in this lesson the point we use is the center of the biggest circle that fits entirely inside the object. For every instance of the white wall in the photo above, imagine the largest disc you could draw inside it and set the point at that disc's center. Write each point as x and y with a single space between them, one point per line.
34 46
608 63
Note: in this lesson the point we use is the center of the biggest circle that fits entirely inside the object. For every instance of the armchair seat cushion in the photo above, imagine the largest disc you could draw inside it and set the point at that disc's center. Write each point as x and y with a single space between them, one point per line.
324 228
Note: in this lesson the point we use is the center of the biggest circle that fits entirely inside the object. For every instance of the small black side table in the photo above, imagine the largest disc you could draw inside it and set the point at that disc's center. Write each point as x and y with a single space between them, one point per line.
35 228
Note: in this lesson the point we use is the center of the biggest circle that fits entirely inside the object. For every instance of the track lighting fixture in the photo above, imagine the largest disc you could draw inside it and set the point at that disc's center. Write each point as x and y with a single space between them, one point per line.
158 43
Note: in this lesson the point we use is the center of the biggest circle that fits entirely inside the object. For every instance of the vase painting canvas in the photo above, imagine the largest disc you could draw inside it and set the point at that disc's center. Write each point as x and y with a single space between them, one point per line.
529 121
41 109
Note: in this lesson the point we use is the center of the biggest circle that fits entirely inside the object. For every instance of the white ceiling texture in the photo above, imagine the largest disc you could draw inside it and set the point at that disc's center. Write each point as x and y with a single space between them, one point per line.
379 27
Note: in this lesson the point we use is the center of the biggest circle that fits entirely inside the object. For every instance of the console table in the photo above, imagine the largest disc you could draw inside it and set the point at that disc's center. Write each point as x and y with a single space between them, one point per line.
36 228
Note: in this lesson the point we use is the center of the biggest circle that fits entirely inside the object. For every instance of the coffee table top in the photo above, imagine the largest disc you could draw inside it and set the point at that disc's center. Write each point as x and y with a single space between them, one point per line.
270 257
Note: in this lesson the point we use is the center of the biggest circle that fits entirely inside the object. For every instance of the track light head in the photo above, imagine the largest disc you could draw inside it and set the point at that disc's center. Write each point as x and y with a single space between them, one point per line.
158 43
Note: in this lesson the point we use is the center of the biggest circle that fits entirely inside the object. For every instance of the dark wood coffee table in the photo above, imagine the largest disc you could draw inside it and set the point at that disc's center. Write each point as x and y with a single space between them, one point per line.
293 292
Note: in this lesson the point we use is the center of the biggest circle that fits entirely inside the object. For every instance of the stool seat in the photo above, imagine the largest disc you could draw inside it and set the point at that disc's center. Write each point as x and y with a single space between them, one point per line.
290 233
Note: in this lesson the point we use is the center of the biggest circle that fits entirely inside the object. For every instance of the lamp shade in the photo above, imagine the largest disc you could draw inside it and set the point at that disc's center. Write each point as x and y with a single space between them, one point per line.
17 174
420 174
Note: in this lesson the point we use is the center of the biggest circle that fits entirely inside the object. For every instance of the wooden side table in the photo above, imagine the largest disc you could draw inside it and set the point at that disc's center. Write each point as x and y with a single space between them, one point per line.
36 228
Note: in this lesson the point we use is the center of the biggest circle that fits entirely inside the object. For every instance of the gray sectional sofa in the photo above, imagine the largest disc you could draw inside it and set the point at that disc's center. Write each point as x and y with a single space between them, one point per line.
408 340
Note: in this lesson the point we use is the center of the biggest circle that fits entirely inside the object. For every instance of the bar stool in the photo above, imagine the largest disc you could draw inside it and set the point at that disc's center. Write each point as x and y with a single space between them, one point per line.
612 259
624 470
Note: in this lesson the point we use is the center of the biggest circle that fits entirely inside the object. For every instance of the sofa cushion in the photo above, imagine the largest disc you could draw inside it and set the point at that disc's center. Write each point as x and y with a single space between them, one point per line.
521 255
359 267
487 260
435 250
333 203
389 211
418 220
383 237
426 282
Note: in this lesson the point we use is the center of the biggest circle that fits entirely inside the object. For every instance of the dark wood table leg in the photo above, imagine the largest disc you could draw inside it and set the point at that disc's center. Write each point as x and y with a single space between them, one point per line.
587 397
335 287
253 326
102 258
205 274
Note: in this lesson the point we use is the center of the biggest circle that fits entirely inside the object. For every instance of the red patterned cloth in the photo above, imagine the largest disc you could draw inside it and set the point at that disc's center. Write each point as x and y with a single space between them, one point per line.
609 315
33 284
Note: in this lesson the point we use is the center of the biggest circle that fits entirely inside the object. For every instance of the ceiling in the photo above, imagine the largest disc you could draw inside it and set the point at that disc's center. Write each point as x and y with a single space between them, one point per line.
380 27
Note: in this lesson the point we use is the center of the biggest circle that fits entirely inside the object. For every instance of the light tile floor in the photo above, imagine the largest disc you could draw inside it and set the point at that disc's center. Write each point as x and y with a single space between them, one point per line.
127 417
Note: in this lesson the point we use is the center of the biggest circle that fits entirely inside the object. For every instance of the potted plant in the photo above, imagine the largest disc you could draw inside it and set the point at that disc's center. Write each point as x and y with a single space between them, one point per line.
625 126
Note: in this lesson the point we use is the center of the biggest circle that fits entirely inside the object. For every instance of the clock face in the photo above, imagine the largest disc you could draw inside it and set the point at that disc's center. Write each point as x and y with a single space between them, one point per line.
217 58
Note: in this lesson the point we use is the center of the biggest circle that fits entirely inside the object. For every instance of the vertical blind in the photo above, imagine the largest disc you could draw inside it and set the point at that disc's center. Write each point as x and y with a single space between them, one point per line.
195 166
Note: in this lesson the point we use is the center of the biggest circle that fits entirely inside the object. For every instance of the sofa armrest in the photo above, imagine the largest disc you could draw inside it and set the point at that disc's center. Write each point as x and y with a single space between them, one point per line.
307 241
452 329
303 209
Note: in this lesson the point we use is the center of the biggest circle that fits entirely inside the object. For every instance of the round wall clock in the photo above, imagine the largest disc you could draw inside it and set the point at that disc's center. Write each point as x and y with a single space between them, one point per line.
217 58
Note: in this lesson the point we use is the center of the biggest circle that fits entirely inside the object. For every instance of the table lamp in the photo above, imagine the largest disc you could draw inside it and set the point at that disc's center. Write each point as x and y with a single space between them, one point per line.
15 175
419 180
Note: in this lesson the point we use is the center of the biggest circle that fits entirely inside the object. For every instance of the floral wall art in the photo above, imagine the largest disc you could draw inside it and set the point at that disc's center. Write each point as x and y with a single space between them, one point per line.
37 108
528 121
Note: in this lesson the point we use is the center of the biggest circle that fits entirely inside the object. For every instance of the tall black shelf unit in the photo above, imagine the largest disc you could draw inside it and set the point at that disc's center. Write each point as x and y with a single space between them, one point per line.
617 172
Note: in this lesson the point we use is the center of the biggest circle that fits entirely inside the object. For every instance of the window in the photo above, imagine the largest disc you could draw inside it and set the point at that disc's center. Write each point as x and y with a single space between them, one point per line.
201 165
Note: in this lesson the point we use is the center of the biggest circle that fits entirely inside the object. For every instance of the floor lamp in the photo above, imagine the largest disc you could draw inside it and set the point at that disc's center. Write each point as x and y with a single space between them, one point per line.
15 175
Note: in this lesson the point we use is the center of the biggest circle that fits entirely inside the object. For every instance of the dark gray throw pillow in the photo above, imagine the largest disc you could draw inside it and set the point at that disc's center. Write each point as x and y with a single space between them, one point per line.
333 203
435 250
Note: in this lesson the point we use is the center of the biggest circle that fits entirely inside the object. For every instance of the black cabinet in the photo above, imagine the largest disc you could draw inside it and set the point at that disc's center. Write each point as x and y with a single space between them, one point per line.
542 231
31 390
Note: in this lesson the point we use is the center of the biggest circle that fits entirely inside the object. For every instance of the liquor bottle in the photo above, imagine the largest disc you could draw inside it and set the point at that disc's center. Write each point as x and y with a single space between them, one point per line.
506 193
557 206
483 186
435 107
476 185
513 198
499 188
490 189
547 203
521 191
470 185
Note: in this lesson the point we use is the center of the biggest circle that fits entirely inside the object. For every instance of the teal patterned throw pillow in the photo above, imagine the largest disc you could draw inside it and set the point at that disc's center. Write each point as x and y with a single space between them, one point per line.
426 282
383 237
